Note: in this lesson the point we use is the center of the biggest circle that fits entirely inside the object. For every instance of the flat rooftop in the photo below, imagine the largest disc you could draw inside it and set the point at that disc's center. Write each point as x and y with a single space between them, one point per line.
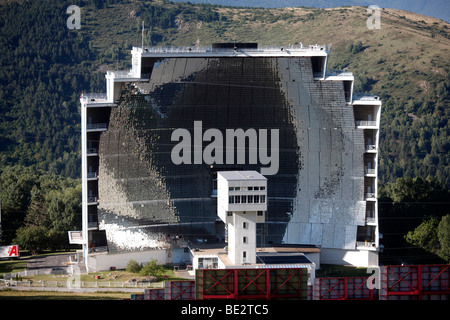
281 256
234 50
242 175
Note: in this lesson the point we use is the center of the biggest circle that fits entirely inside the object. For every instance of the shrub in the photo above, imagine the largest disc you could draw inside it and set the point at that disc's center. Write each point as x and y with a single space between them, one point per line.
133 266
151 269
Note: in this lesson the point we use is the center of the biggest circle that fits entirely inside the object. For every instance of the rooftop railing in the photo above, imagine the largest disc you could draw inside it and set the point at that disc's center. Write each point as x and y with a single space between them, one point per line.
209 49
121 74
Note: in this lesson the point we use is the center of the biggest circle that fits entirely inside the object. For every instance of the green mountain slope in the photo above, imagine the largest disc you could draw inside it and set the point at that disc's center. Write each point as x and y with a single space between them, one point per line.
45 67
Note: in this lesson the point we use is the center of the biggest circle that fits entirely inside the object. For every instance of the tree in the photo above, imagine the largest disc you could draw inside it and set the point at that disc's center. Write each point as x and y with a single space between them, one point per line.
425 236
443 233
409 212
151 269
64 208
433 236
36 214
32 238
16 184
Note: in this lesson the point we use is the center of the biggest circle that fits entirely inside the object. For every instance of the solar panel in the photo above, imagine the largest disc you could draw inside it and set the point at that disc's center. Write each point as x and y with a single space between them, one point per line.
283 258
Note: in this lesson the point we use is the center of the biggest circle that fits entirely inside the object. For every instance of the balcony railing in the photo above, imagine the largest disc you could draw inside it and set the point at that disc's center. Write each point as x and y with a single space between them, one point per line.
366 123
371 220
96 126
92 175
338 73
365 97
370 195
92 150
366 244
371 147
92 199
93 225
98 249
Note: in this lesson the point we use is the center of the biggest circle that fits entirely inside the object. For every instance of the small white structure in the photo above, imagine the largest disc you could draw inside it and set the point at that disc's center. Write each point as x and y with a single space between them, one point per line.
241 203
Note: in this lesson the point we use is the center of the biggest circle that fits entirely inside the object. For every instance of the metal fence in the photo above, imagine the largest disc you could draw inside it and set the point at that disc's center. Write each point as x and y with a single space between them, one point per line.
10 280
83 284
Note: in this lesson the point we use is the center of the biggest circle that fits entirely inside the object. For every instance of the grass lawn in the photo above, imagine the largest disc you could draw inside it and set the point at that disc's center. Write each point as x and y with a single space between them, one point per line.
11 266
9 294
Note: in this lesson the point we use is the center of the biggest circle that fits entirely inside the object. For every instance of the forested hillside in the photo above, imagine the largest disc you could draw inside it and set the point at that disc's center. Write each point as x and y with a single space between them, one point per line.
44 67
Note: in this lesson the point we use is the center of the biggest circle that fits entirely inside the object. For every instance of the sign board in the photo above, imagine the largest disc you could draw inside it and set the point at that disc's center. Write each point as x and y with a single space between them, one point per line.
11 251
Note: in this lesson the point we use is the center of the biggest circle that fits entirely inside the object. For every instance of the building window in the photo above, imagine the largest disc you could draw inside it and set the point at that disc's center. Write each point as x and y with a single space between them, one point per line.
262 188
231 199
256 199
244 199
229 213
260 213
237 199
250 199
245 225
255 188
263 199
250 188
244 240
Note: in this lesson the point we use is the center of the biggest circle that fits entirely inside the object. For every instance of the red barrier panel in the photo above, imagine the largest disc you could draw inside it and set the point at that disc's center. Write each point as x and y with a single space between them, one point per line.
415 282
342 288
237 284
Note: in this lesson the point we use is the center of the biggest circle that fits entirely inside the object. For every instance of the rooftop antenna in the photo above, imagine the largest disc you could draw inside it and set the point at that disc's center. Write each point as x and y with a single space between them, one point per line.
143 33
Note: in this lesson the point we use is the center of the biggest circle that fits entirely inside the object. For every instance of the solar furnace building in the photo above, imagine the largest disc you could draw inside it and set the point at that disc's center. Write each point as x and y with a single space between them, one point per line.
153 143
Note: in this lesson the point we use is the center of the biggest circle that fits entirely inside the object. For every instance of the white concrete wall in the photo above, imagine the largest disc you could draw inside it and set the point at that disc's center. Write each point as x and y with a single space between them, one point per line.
103 262
357 258
222 198
237 232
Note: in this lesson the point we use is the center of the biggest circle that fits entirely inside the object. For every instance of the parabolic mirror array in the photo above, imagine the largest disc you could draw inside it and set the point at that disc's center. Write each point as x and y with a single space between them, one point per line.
316 196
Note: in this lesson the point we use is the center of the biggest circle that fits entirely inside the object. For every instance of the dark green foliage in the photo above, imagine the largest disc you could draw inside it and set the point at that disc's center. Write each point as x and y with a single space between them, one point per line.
414 205
42 73
38 209
432 235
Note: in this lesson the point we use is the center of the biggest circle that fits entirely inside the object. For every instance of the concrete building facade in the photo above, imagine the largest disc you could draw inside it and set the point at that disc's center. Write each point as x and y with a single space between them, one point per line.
241 204
153 144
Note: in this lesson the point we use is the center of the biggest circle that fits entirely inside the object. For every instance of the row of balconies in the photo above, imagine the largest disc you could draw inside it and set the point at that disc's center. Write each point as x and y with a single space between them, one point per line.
365 119
96 124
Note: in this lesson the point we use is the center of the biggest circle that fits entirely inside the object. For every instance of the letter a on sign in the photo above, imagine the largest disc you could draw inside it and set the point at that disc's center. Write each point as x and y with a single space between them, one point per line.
12 252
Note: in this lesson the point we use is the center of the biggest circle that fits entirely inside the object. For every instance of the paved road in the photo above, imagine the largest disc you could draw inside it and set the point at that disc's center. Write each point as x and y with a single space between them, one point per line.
46 263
